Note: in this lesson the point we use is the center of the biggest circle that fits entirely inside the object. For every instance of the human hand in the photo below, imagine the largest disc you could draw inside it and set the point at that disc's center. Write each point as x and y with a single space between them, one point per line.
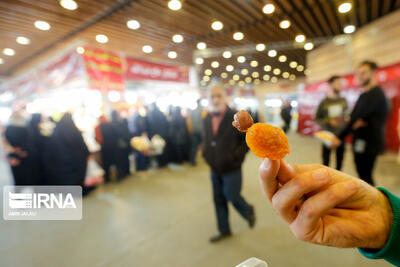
325 206
358 124
335 142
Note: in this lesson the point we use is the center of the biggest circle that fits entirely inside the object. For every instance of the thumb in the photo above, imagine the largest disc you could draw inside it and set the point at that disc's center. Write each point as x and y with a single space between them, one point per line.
268 172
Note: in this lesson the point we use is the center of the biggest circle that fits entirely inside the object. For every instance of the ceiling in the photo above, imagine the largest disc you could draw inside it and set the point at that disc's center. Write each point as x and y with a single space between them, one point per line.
313 18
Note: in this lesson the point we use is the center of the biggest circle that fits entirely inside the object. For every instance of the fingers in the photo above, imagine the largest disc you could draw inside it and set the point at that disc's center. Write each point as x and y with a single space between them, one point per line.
287 200
268 172
306 224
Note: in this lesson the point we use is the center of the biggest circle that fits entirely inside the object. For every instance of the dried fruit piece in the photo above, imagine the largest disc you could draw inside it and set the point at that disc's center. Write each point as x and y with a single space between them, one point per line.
265 141
242 121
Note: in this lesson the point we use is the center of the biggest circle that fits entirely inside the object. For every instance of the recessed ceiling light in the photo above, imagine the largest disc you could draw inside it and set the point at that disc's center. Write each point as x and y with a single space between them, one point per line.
277 71
238 36
236 77
268 8
172 54
254 63
199 61
215 64
255 74
229 68
284 24
208 72
101 38
293 64
267 68
1 61
241 59
266 77
174 5
133 24
232 82
300 38
309 46
285 75
292 77
8 52
256 81
69 4
201 45
42 25
217 25
307 72
244 72
224 75
300 68
349 29
274 79
241 83
282 58
272 53
23 40
248 80
227 54
177 38
344 7
147 49
260 47
206 78
80 50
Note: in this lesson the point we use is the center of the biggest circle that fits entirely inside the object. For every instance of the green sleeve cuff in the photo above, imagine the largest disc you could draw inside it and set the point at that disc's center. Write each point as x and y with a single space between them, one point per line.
391 251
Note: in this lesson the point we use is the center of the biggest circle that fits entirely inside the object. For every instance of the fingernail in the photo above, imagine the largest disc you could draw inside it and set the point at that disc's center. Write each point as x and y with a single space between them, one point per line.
266 163
321 174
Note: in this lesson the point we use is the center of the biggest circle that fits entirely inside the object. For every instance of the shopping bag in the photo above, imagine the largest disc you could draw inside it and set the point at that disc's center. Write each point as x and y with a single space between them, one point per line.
94 174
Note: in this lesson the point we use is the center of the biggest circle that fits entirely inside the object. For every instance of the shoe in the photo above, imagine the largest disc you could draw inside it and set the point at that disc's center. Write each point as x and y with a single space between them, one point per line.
219 237
252 219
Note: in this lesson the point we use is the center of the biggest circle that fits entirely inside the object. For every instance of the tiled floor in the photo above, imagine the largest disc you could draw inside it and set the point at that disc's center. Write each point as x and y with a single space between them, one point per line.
165 217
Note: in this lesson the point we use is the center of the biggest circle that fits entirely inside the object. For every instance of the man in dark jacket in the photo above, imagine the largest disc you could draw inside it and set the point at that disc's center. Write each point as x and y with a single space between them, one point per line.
224 151
367 122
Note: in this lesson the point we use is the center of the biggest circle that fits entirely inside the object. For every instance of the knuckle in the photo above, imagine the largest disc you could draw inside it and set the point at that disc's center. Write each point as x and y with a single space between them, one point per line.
276 202
299 183
308 210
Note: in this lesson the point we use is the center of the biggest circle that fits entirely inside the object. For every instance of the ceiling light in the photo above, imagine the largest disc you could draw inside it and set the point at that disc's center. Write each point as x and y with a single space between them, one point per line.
177 38
266 77
307 72
174 5
224 75
215 64
254 63
232 82
172 54
257 81
42 25
277 71
101 38
260 47
284 24
8 52
1 61
241 83
201 46
293 64
272 53
248 80
309 46
229 68
206 78
69 4
244 72
292 77
268 9
285 75
300 38
300 68
133 24
241 59
217 25
255 74
282 58
227 54
267 68
23 40
199 61
80 50
349 29
344 7
147 49
238 36
236 77
274 79
208 72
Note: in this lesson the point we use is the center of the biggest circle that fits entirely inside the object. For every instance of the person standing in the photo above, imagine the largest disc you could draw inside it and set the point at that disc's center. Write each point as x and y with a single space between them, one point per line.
224 150
286 115
367 122
197 129
331 116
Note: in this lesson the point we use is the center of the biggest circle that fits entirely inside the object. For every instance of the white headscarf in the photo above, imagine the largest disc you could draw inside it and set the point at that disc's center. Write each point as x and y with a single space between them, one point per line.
17 119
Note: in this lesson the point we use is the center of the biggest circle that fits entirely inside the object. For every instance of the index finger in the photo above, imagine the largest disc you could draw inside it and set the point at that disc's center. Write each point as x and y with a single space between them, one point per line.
268 172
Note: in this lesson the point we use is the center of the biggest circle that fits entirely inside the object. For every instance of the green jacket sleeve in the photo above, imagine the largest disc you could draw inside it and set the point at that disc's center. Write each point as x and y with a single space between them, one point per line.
391 251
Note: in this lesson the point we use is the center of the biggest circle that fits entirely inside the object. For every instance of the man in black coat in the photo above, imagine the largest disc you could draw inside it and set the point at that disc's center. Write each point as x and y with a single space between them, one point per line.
224 150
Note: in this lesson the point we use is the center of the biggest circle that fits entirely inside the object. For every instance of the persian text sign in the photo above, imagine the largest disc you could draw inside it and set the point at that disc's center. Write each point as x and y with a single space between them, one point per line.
142 70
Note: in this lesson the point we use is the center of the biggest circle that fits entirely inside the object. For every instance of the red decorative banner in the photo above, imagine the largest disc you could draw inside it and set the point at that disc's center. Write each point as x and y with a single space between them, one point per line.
388 78
104 70
143 70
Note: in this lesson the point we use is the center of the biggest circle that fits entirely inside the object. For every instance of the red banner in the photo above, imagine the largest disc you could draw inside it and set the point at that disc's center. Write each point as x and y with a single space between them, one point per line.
143 70
311 96
104 70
